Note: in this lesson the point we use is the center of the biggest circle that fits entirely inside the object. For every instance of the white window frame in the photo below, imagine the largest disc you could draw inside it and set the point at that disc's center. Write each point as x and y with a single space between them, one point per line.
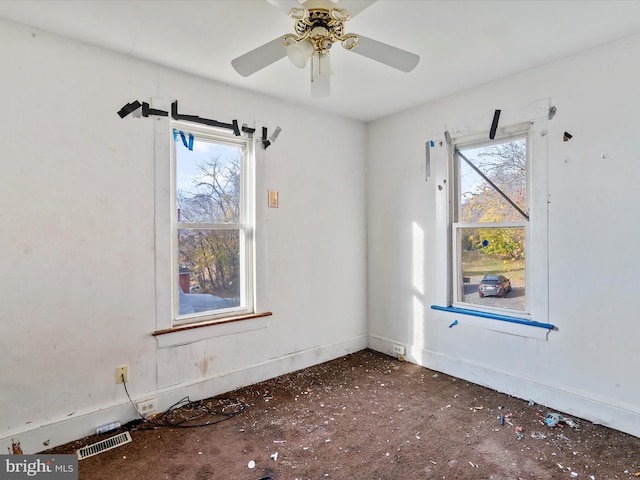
510 133
535 117
246 224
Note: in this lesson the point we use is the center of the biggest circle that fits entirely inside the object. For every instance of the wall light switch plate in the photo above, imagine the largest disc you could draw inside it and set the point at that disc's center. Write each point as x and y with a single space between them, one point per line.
273 198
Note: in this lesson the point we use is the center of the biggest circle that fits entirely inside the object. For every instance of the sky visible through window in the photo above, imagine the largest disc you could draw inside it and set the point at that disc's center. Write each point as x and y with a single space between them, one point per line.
187 162
470 182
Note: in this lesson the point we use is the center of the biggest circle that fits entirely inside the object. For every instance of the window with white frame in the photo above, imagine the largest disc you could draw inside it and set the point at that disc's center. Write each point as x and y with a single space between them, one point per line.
491 208
490 224
212 225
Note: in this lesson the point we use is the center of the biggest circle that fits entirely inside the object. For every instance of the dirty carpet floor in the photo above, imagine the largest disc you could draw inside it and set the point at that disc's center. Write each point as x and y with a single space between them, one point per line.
362 416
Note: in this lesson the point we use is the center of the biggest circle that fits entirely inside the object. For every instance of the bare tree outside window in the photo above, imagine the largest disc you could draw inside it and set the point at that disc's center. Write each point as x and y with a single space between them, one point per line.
210 234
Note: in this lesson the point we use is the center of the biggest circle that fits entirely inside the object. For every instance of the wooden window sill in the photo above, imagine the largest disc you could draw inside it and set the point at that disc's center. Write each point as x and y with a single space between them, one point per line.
185 334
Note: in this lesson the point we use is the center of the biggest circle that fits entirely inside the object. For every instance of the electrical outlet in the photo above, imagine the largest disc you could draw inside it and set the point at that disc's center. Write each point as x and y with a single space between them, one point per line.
147 407
122 372
399 349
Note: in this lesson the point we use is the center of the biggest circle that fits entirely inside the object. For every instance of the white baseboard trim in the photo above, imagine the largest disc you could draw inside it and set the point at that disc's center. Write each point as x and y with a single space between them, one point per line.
585 405
34 438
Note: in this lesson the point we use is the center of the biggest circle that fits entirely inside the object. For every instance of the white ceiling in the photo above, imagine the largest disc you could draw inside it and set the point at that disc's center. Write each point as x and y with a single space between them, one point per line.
461 43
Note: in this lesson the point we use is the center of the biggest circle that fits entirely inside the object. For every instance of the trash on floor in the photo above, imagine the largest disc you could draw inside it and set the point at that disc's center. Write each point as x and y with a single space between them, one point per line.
572 423
552 419
519 434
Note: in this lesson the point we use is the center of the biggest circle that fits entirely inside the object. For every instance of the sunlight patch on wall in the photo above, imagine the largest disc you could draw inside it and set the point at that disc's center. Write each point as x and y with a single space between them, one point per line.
418 258
417 342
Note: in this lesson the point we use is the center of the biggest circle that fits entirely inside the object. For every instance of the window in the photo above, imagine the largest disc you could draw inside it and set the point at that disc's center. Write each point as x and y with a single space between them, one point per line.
490 225
212 225
491 220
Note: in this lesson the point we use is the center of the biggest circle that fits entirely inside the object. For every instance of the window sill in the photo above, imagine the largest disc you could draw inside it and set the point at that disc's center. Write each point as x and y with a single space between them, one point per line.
499 323
185 334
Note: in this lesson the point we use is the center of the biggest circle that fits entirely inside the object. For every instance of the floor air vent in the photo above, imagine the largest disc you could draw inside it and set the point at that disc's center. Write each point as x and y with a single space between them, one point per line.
104 445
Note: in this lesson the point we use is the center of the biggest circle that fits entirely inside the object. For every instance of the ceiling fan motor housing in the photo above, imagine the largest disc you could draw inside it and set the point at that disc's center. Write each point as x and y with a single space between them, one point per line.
322 27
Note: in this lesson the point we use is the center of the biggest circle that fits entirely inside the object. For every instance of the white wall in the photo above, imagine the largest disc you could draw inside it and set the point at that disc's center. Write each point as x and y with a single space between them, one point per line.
588 367
78 241
79 249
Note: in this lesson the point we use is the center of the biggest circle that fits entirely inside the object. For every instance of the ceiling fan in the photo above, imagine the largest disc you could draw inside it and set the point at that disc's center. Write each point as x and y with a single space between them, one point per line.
318 24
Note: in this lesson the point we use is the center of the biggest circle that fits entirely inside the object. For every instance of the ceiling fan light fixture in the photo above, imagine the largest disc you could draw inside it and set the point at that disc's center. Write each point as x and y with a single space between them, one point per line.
339 14
299 13
300 52
321 65
319 32
321 86
350 41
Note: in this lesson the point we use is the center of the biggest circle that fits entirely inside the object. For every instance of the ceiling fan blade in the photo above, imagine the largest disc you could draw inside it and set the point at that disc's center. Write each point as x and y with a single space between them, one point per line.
260 57
285 5
354 7
383 53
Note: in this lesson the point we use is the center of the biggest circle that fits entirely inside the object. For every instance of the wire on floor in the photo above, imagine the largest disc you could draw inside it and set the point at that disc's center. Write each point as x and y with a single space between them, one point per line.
191 414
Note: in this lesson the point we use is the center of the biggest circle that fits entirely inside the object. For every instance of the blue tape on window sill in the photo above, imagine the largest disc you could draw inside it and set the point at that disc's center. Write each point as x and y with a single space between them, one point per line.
493 316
